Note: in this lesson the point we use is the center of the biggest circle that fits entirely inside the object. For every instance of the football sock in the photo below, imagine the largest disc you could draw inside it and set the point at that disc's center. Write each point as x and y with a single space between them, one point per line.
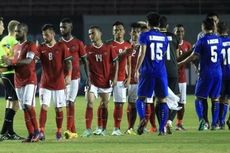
152 115
163 115
33 118
147 112
59 120
42 119
140 106
9 121
117 114
205 110
99 116
215 112
28 122
88 117
4 126
180 114
172 114
199 108
223 113
104 117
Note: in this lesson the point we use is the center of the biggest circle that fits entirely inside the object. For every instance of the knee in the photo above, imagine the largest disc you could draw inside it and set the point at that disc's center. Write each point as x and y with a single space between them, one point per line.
44 107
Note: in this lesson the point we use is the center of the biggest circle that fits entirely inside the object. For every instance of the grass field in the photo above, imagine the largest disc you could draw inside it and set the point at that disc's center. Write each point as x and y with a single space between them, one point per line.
190 141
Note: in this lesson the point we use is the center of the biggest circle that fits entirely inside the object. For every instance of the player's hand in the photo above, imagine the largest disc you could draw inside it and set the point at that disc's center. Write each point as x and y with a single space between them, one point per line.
136 76
6 60
67 80
126 82
114 83
88 84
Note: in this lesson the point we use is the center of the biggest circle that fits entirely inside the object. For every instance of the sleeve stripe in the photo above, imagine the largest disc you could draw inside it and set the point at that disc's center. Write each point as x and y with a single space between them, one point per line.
68 58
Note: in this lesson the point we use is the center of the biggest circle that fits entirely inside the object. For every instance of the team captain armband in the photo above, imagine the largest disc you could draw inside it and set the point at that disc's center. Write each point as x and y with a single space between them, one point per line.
30 55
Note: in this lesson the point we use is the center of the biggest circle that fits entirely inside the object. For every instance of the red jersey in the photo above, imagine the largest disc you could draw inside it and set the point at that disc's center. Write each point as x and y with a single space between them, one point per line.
25 74
100 61
76 50
118 48
184 47
53 61
134 56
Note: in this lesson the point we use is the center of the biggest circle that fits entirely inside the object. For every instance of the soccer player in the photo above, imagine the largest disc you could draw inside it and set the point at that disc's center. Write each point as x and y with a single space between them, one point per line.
7 76
100 57
171 66
25 79
208 49
132 89
77 51
124 75
223 29
184 46
55 58
151 72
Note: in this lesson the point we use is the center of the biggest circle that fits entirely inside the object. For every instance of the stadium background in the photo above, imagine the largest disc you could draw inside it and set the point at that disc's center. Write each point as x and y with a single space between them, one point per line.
104 13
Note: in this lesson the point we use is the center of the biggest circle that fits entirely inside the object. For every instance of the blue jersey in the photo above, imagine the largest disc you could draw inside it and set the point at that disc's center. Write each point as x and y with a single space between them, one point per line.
156 47
226 57
209 50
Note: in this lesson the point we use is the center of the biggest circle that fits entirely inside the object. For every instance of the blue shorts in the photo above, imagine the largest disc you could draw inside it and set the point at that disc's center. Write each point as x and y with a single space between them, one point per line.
148 83
208 86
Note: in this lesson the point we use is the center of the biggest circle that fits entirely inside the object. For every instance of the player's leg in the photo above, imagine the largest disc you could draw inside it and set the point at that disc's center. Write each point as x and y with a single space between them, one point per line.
90 95
152 121
131 108
182 102
12 106
119 98
45 98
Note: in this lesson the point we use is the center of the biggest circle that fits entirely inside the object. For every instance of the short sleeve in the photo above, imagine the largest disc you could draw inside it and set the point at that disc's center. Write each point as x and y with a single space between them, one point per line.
142 39
32 52
197 47
114 55
82 51
67 55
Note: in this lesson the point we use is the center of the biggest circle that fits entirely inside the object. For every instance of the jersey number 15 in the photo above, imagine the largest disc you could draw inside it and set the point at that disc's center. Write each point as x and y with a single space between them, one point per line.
156 51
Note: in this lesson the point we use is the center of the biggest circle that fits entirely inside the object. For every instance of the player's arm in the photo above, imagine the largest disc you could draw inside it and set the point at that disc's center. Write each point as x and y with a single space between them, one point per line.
68 68
140 59
116 72
190 58
86 67
127 80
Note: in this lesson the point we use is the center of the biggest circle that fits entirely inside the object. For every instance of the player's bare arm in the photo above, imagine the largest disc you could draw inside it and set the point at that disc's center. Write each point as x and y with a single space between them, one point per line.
86 67
68 67
114 81
189 59
140 60
127 80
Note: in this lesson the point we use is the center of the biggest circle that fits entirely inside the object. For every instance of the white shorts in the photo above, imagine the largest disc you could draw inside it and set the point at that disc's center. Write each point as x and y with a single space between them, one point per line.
150 100
172 100
26 95
132 93
119 92
96 90
72 90
183 88
58 97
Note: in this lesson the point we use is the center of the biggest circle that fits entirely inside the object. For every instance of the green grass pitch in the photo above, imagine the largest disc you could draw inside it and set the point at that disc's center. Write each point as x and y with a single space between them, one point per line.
190 141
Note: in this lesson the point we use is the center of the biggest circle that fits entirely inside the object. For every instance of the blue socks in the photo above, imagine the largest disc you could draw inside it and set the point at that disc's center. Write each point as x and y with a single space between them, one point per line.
199 108
215 112
163 112
223 113
140 106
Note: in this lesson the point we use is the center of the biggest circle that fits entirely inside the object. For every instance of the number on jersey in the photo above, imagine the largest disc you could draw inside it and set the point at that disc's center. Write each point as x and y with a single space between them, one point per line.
98 57
226 55
213 54
50 56
156 51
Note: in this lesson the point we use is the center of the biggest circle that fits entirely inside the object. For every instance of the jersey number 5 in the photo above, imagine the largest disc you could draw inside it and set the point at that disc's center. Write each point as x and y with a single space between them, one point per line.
213 54
156 51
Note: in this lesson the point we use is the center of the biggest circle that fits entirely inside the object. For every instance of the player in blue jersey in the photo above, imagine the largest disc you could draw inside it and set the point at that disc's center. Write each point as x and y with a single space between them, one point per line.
151 71
222 29
208 49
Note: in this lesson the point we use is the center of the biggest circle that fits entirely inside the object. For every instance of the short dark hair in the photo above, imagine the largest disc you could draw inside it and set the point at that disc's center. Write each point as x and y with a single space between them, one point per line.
163 22
179 26
211 14
67 20
153 19
23 26
48 27
208 24
95 27
118 23
135 25
222 27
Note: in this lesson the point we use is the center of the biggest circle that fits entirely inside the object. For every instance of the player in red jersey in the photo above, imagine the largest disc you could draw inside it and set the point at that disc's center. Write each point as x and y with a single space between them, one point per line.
119 91
100 57
77 51
25 79
55 58
184 46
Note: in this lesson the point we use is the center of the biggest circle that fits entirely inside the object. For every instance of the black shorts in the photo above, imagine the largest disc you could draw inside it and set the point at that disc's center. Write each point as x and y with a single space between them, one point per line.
225 91
8 82
174 85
